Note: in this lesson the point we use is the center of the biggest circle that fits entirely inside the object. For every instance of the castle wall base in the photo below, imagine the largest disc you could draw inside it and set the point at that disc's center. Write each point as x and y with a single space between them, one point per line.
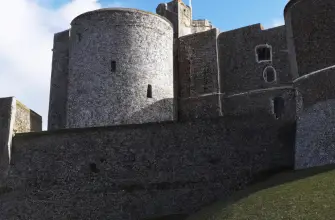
315 143
141 171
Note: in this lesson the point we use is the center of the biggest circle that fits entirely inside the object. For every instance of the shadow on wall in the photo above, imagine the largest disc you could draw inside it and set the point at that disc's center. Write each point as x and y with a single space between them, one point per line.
35 122
205 152
162 110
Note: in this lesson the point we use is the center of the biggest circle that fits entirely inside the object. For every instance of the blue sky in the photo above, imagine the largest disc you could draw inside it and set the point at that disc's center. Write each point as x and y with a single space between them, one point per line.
224 14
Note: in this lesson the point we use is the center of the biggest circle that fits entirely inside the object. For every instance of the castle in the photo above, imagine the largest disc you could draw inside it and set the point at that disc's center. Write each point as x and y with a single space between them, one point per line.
159 114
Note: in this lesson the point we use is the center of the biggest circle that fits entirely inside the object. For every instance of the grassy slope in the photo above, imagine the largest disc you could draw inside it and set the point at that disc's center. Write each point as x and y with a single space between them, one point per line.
299 195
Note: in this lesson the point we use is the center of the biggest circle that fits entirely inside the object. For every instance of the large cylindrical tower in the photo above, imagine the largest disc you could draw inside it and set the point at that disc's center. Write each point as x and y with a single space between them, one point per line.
120 68
310 28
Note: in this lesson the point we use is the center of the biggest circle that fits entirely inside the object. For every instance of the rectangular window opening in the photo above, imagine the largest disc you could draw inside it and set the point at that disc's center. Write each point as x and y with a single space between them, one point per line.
113 66
149 91
79 37
278 107
263 53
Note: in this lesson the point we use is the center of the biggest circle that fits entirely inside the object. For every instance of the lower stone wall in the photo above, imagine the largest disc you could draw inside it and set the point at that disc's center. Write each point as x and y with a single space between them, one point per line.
315 143
263 100
205 106
141 171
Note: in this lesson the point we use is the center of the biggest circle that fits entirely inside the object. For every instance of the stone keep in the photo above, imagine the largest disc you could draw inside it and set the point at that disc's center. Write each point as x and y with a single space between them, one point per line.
310 32
310 35
120 69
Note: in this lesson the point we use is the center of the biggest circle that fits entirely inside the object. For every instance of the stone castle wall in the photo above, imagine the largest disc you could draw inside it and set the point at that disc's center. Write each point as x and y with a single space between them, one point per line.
121 62
263 101
310 32
315 123
198 64
198 76
14 118
310 25
240 70
59 81
139 171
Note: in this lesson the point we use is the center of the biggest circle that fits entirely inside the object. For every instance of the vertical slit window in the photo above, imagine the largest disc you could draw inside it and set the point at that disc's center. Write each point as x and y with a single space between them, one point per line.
113 66
149 91
278 107
78 37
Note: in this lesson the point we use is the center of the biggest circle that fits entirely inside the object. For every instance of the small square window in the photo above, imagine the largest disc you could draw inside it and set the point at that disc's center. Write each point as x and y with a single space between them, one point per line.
263 53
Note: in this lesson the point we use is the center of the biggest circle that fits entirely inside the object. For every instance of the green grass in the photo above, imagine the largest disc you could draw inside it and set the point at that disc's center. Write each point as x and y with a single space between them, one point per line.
171 217
299 195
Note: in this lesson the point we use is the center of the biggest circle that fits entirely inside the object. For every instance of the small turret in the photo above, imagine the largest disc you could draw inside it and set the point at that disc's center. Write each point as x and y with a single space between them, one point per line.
179 14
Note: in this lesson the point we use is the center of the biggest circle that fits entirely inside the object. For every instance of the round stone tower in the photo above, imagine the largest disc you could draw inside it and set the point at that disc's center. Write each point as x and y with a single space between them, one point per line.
310 35
310 29
120 68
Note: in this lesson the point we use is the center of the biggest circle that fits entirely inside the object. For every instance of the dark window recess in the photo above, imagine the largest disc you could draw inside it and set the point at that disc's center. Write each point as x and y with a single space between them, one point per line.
269 74
94 168
79 37
263 53
113 66
206 80
149 91
278 107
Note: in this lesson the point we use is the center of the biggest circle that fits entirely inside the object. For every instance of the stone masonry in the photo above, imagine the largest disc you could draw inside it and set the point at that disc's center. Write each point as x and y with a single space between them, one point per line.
158 114
14 118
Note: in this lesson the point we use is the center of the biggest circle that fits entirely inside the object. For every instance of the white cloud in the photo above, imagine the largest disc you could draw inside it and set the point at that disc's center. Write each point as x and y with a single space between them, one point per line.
277 22
26 40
